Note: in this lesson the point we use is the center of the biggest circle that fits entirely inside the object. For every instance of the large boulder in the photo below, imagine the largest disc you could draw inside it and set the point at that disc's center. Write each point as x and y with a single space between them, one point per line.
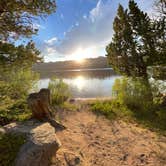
41 145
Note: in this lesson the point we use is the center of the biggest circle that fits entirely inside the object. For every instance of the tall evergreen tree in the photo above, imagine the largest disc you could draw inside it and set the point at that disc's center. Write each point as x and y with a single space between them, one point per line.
134 45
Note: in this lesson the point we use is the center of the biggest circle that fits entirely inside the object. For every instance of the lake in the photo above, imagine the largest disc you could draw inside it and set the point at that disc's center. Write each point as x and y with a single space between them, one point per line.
84 83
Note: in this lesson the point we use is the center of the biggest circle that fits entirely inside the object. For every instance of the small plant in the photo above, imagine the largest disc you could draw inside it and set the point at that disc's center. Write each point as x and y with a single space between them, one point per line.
9 147
69 106
104 108
59 91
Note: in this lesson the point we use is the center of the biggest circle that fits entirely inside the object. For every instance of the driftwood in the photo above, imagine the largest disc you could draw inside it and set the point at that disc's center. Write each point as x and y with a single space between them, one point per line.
40 105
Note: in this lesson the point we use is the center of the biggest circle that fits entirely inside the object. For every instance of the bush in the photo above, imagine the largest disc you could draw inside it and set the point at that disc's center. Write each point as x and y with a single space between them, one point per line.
134 93
134 97
17 112
59 91
104 108
15 84
9 147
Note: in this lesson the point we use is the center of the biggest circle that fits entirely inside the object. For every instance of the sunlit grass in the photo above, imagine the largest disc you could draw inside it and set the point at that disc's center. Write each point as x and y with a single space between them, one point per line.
153 118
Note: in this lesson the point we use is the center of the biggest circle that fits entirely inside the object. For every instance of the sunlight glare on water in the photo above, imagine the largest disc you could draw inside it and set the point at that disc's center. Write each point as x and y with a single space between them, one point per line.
79 82
85 83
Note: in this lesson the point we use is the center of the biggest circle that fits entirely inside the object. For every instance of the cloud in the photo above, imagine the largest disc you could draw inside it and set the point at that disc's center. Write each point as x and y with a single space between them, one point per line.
90 34
48 49
85 16
51 41
61 16
94 29
77 24
97 11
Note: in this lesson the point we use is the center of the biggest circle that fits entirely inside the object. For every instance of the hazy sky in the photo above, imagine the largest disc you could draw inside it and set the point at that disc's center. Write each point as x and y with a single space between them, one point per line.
80 28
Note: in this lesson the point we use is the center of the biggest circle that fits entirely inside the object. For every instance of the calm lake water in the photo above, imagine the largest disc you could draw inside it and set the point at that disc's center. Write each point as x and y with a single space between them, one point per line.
84 83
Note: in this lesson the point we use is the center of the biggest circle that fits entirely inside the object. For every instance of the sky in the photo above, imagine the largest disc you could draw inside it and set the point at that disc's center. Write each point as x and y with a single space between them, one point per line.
80 28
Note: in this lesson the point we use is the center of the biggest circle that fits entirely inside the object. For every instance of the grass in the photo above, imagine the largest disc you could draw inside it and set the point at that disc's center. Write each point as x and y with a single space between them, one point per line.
59 91
153 118
103 108
9 147
69 106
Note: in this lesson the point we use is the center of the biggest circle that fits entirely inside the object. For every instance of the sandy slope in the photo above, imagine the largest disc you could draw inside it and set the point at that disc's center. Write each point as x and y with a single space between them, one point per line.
104 143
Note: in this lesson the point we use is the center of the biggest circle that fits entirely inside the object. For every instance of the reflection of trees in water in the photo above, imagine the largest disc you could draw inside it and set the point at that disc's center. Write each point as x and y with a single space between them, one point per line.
100 74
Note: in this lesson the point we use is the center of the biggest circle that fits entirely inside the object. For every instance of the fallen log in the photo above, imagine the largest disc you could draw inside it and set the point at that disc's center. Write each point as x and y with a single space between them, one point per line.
40 104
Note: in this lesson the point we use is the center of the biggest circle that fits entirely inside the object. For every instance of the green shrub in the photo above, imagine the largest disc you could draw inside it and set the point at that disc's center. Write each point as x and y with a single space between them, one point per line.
133 103
17 112
9 147
104 108
15 84
154 118
135 100
59 91
134 93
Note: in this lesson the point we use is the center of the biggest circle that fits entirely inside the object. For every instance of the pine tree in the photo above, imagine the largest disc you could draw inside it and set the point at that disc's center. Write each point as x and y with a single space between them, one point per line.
137 42
121 51
22 55
161 7
118 48
16 76
17 16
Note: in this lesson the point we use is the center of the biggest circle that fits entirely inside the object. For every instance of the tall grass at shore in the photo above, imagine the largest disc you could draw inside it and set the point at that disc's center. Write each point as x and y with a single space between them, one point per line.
59 91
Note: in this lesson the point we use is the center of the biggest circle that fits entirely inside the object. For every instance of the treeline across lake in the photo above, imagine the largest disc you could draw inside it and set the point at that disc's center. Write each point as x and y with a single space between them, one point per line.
90 63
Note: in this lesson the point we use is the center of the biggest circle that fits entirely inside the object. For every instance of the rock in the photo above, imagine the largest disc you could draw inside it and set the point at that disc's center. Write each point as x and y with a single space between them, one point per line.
72 100
67 158
73 159
41 145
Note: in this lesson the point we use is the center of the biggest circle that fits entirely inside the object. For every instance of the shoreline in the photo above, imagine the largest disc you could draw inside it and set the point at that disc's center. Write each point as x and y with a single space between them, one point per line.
92 98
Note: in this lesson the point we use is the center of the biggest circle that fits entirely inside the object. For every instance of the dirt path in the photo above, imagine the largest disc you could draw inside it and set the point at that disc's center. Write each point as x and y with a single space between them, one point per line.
101 142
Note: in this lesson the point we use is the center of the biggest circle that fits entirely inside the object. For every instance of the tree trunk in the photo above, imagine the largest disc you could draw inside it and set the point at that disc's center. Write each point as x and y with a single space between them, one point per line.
39 103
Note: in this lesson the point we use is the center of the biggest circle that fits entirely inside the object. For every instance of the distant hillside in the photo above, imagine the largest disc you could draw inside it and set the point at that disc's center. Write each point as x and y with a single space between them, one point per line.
100 62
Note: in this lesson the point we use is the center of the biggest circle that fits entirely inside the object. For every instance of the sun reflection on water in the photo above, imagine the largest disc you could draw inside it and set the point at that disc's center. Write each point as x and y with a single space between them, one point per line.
79 82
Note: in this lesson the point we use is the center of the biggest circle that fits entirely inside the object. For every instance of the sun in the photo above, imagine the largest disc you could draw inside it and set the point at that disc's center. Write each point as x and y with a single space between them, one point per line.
81 54
78 55
80 60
